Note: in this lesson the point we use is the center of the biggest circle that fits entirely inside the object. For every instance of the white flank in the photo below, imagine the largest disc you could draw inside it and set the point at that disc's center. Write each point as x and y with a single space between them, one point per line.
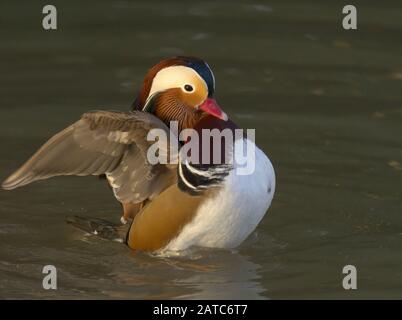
227 219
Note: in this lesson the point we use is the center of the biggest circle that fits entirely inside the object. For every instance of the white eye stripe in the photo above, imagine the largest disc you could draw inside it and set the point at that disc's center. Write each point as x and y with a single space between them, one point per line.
176 77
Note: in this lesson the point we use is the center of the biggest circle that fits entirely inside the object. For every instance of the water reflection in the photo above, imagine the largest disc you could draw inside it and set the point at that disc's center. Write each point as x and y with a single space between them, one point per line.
199 274
227 276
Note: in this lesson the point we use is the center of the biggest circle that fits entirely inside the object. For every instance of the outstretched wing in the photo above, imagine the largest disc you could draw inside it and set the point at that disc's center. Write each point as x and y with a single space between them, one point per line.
103 142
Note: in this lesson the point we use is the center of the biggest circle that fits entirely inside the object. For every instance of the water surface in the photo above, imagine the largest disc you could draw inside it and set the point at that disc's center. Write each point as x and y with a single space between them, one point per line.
327 107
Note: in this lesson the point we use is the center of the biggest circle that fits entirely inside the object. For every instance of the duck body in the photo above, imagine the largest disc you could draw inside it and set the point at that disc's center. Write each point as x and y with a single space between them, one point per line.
171 206
227 218
218 207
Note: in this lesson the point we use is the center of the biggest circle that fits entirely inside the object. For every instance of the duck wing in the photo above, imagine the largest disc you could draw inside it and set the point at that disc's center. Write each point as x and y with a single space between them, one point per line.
104 142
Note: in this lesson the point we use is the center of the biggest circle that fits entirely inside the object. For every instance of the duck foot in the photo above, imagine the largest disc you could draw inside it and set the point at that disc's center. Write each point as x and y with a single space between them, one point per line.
99 227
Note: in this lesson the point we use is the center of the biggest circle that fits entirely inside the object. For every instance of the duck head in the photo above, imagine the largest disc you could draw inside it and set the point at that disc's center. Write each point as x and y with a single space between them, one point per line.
179 89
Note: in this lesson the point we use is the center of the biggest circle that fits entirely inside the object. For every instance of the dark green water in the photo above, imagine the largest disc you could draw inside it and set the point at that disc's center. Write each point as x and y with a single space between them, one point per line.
327 107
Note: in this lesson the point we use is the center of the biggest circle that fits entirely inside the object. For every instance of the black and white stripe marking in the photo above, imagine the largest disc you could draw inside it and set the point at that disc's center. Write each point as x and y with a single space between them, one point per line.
195 178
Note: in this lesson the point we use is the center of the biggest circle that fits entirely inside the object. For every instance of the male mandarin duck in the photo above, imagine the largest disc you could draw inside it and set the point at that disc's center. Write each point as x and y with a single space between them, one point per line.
173 206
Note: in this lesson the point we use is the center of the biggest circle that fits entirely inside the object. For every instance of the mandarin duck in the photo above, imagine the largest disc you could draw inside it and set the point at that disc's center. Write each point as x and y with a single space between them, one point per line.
174 205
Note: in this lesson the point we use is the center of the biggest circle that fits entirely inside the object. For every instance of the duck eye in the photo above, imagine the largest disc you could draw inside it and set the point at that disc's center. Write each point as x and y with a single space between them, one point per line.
188 88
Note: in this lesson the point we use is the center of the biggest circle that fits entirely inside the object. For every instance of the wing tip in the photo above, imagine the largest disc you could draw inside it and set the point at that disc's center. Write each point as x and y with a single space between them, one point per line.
8 184
17 179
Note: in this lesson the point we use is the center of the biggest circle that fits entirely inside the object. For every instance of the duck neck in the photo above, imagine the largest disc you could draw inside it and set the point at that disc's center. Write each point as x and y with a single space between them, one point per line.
186 116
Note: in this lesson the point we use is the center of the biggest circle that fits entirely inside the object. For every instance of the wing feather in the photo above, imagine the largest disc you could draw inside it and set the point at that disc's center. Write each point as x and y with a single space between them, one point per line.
102 142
